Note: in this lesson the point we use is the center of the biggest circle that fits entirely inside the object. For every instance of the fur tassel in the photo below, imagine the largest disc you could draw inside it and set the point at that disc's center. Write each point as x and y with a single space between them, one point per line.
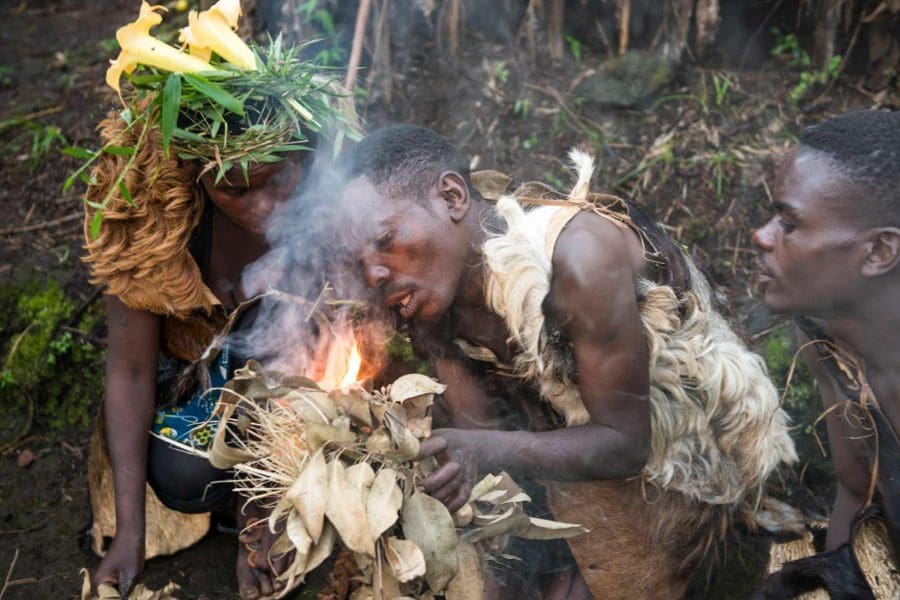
583 167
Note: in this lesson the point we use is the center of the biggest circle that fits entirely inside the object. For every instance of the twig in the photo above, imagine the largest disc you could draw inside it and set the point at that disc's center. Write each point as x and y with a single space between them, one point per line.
359 32
42 225
624 25
29 117
9 573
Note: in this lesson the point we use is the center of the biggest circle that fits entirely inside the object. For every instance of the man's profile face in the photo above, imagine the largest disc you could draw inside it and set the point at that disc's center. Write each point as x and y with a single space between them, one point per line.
412 256
809 251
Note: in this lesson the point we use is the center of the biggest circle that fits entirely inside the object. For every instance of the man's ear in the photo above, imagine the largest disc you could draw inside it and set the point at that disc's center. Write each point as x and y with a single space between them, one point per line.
882 252
454 193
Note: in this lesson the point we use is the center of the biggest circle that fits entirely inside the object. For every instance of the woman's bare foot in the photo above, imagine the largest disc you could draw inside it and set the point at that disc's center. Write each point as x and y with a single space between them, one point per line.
256 570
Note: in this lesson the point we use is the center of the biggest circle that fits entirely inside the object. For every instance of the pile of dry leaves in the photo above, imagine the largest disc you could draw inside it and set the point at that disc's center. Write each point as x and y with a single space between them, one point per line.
336 467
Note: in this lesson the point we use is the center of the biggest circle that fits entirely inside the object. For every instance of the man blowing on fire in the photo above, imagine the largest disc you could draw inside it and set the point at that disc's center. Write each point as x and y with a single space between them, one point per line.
648 420
829 257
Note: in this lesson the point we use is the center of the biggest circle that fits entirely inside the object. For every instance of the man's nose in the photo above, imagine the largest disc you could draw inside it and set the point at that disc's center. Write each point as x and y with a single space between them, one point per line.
764 238
376 275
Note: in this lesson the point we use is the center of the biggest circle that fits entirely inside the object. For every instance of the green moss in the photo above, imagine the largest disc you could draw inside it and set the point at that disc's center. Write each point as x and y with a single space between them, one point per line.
43 363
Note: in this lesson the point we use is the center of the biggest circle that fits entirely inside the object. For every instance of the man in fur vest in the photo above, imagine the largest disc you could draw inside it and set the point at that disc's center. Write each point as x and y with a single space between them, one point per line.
580 348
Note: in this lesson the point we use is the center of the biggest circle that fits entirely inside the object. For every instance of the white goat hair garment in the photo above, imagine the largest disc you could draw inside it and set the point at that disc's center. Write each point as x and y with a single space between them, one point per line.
717 429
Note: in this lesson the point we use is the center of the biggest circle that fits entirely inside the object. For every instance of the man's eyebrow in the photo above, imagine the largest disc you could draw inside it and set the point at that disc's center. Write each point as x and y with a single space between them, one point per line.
784 208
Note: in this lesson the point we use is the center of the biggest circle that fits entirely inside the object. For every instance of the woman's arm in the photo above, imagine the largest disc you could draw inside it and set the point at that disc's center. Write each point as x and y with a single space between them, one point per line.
129 406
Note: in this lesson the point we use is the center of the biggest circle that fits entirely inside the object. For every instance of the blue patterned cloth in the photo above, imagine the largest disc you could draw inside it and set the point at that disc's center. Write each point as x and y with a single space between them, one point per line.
191 422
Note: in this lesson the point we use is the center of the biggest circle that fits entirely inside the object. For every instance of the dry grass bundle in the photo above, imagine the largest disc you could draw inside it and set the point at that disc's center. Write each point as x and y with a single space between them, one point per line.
337 467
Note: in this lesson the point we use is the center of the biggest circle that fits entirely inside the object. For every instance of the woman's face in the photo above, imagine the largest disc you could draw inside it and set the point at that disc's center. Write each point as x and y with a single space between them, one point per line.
249 201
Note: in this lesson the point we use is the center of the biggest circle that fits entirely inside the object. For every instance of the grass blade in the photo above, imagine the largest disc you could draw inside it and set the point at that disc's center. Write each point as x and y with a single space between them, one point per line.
171 101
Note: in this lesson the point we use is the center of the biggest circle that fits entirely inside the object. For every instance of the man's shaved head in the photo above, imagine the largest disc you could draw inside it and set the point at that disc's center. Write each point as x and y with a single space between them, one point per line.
865 147
405 161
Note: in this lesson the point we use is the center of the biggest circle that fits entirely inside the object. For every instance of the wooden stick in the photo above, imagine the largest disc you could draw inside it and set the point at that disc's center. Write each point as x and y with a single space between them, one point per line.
42 225
359 32
9 574
555 25
624 25
29 117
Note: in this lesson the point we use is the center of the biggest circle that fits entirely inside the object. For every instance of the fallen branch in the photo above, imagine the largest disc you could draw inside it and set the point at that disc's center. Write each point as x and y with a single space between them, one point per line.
42 225
9 573
359 33
29 117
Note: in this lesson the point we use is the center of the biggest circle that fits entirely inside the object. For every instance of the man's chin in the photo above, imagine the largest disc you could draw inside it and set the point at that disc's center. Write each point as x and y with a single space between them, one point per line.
775 304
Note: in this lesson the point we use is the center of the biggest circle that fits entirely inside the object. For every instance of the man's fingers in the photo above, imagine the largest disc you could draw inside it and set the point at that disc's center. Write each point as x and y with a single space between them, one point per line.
126 583
265 582
247 584
441 477
457 501
431 447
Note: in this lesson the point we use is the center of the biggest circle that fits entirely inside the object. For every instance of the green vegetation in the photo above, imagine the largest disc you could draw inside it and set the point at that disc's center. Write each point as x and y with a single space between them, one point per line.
574 47
787 47
801 399
330 49
33 139
48 366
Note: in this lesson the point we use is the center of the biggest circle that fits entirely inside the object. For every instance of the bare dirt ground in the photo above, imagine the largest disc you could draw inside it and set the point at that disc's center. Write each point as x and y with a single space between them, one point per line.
700 158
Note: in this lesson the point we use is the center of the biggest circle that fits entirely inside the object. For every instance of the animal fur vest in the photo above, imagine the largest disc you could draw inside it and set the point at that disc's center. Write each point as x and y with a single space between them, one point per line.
717 429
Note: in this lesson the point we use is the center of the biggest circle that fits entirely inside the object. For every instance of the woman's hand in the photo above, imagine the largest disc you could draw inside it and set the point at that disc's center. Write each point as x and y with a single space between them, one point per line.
458 472
122 566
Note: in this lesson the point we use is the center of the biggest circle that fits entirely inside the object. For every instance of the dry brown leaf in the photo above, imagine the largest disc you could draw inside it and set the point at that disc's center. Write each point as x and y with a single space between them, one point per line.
464 515
427 523
346 511
106 591
296 532
221 455
406 445
379 441
469 580
420 426
361 477
384 584
317 435
322 549
308 494
487 483
354 402
364 592
281 509
405 559
414 385
543 529
384 502
510 521
312 406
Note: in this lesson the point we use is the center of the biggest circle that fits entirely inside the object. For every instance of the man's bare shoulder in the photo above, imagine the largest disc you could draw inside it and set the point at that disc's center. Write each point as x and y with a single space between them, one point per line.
592 249
595 263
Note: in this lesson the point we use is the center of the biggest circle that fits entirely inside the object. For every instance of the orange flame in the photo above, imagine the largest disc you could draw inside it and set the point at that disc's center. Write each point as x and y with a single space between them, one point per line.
354 363
339 361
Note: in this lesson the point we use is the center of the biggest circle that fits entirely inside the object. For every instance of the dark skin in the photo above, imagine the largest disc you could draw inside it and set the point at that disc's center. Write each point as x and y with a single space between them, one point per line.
240 209
823 257
424 258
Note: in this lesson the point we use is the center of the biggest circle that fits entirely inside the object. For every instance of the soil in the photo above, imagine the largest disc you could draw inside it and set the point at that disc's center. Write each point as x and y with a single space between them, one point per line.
706 182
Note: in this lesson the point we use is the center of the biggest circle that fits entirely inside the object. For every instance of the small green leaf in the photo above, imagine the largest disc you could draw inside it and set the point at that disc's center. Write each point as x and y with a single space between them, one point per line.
187 135
76 152
123 190
119 150
126 116
171 100
215 92
96 220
